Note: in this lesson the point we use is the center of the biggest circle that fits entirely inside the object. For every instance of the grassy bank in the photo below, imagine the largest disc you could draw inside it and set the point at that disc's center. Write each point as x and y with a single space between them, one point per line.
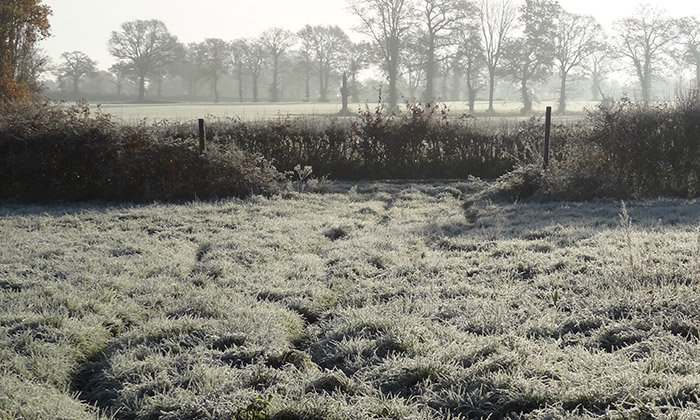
381 300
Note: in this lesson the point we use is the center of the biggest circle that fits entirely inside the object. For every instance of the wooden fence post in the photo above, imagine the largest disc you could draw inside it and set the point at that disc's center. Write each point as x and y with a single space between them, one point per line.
202 136
547 126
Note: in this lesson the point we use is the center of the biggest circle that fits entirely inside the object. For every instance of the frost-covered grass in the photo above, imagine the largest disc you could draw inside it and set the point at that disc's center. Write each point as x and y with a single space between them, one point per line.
381 300
133 113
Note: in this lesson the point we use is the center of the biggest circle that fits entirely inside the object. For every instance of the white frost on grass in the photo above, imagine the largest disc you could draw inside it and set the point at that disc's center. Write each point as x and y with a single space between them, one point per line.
384 300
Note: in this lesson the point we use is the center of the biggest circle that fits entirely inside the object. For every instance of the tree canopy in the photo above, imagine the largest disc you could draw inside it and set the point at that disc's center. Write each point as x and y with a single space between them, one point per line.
145 46
74 67
22 24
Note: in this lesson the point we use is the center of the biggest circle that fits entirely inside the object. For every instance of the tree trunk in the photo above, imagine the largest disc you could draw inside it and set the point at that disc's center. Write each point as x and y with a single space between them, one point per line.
274 96
456 82
216 89
471 97
444 91
562 94
527 100
429 94
355 91
192 91
255 89
142 88
344 95
307 98
492 87
595 87
240 86
646 87
322 83
471 92
393 101
642 74
393 72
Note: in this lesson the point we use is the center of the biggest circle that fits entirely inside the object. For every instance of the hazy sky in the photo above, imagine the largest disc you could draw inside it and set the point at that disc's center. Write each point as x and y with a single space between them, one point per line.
85 25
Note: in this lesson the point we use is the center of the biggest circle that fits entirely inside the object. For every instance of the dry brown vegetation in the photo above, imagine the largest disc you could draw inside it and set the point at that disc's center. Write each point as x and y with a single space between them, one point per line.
52 153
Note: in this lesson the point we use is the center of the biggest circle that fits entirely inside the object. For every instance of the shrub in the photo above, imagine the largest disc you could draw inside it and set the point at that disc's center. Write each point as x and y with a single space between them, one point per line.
654 150
425 141
52 152
628 149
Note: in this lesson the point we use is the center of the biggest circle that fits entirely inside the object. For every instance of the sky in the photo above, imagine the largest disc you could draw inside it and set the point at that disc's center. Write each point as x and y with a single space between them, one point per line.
86 25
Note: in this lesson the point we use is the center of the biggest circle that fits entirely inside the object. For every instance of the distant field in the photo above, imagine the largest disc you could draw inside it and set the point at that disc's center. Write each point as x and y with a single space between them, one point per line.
132 113
380 300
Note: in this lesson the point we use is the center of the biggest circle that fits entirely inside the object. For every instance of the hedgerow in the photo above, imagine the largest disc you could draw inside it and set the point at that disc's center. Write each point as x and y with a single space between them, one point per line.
422 142
630 149
53 152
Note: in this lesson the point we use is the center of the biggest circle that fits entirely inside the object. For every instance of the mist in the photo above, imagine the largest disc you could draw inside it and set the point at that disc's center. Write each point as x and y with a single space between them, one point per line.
431 50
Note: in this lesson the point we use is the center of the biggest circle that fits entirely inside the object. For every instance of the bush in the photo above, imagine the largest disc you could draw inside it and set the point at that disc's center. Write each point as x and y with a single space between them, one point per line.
422 142
630 149
51 152
654 150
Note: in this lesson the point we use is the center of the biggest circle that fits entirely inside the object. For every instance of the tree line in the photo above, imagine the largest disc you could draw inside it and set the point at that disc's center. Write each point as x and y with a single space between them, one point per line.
473 45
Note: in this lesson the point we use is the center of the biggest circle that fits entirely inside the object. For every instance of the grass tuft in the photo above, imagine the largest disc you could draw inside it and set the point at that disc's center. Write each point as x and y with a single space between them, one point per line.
526 310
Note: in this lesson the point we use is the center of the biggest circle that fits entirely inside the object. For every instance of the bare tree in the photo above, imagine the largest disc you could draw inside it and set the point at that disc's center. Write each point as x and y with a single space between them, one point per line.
156 79
574 40
121 72
97 81
330 46
188 69
306 57
497 19
276 41
413 64
147 46
444 70
357 60
386 22
643 39
31 65
471 59
254 59
530 57
238 61
74 67
215 60
456 69
689 37
598 64
441 19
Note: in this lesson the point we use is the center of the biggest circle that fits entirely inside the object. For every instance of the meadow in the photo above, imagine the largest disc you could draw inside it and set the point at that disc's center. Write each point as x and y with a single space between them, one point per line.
133 113
423 300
